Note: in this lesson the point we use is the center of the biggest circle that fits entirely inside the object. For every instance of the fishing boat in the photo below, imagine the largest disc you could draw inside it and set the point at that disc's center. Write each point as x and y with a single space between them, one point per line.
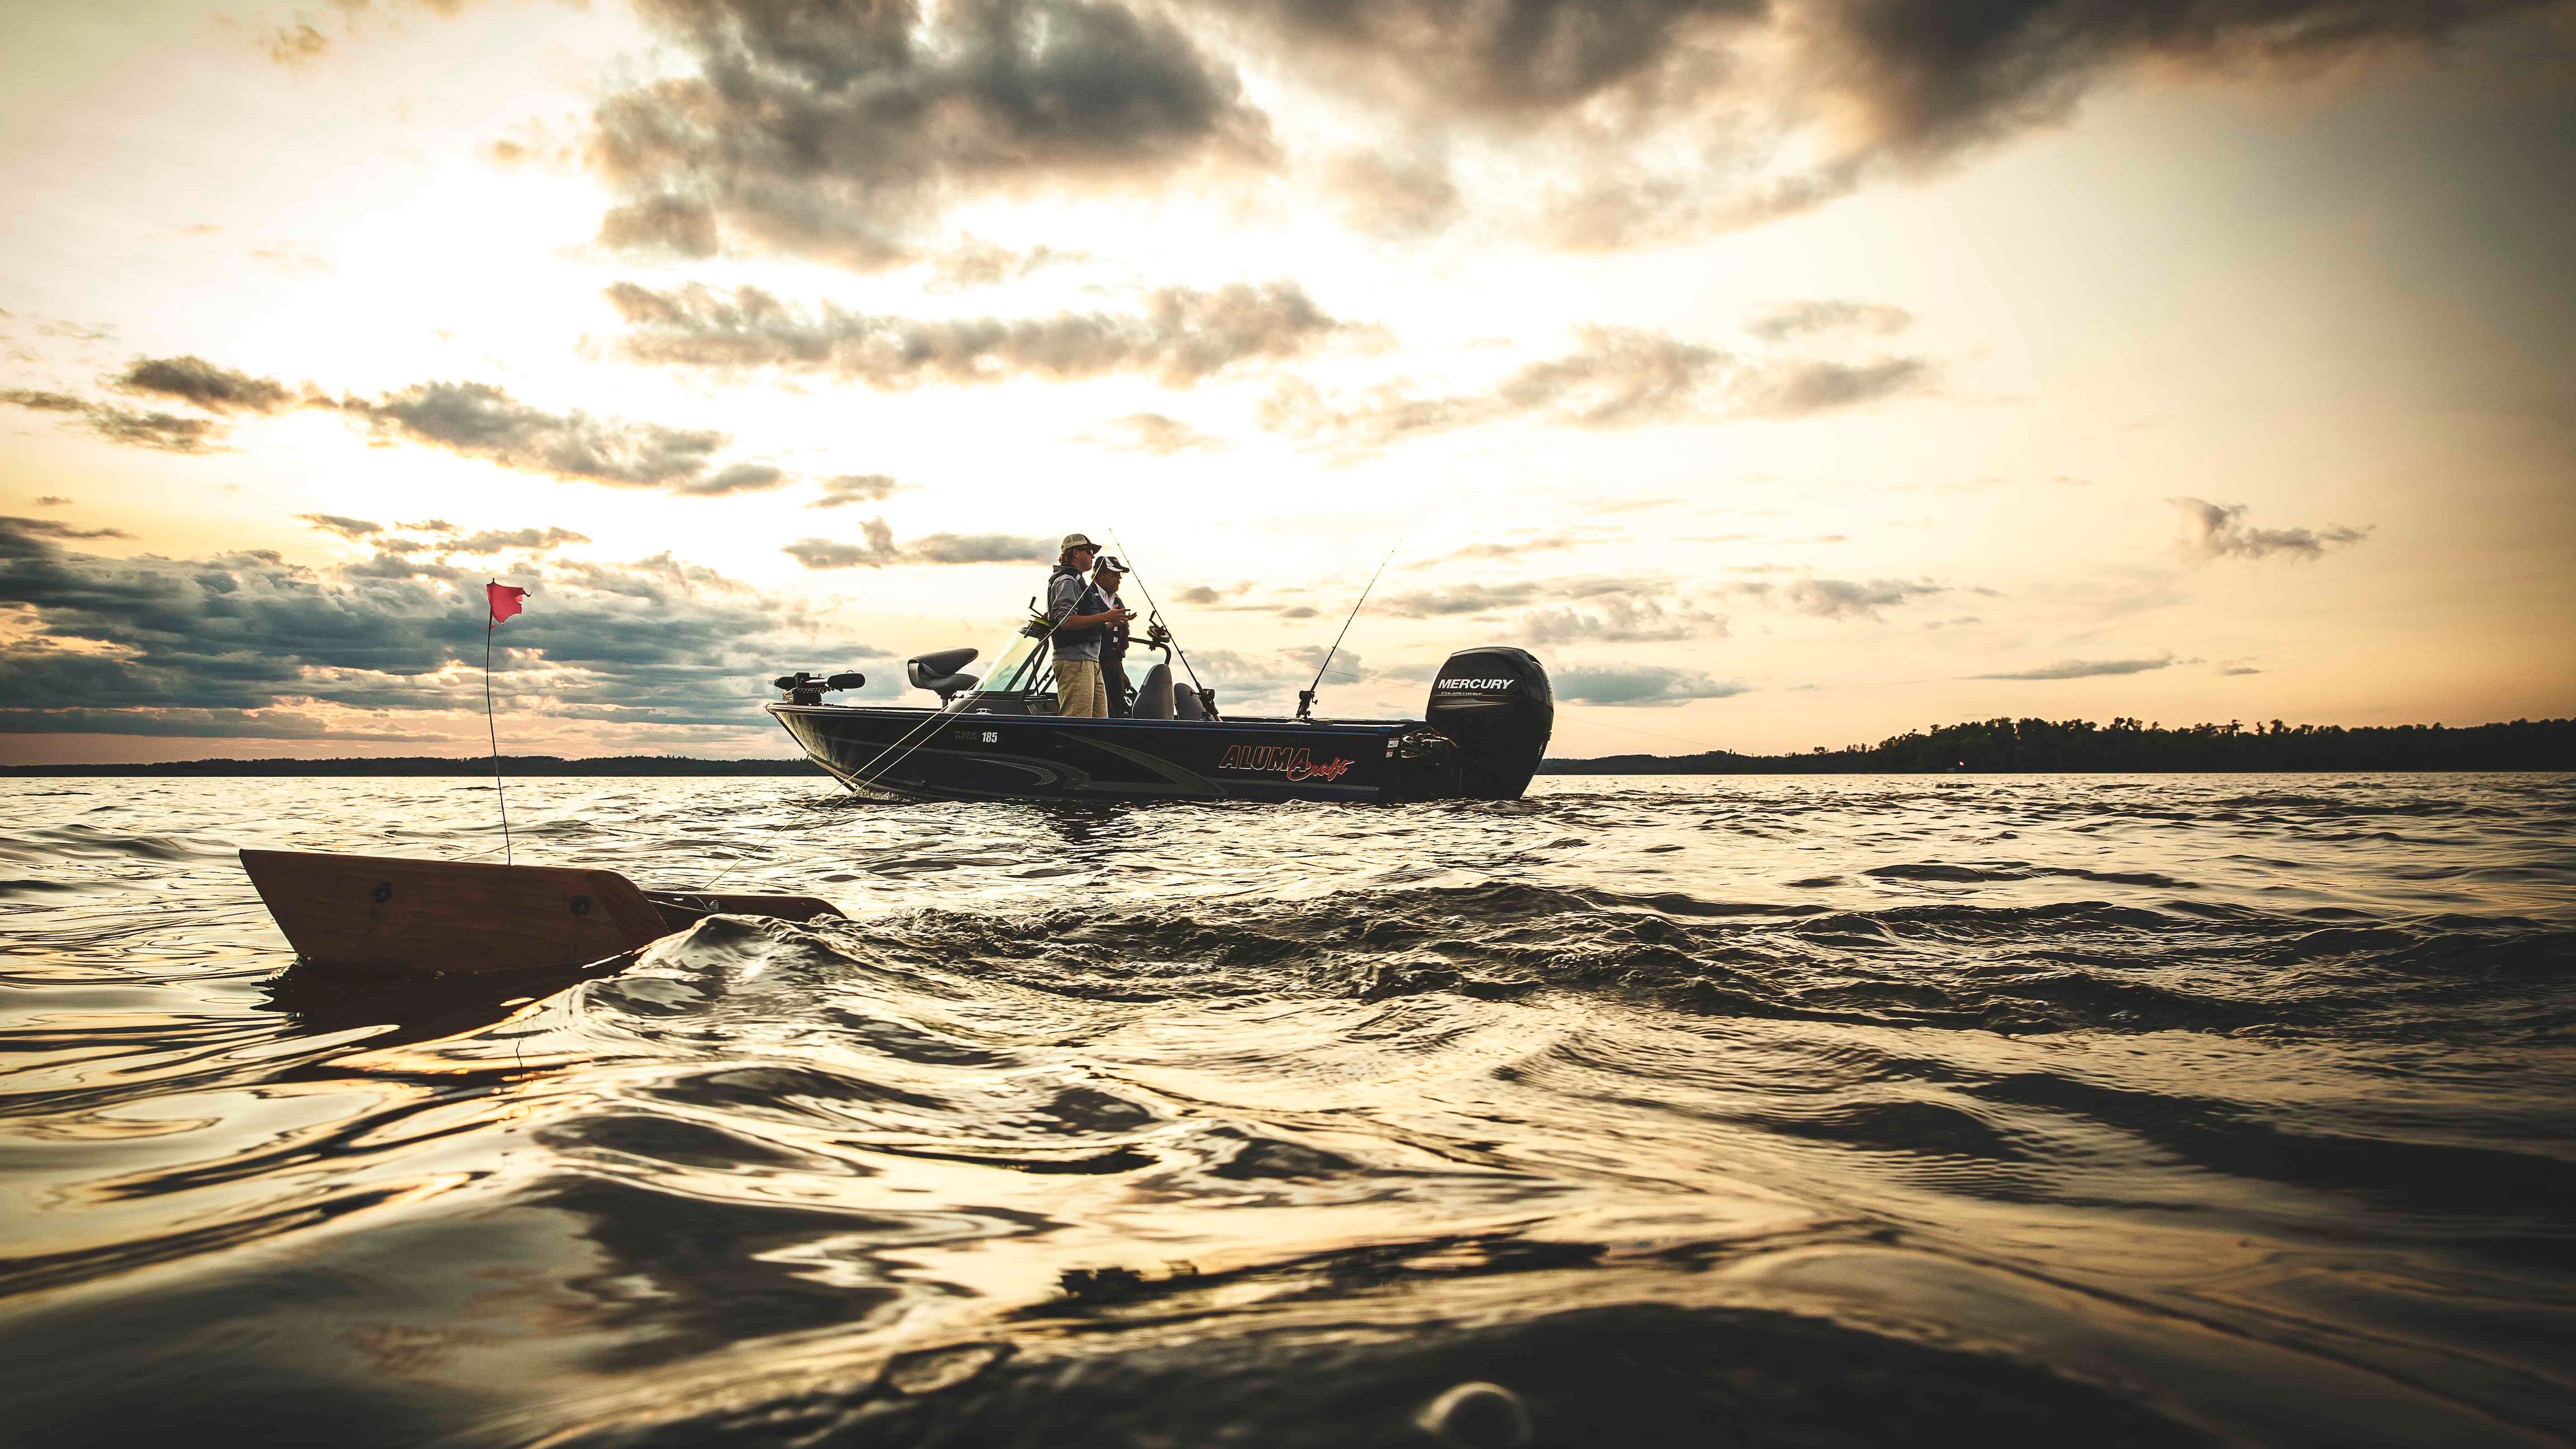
998 737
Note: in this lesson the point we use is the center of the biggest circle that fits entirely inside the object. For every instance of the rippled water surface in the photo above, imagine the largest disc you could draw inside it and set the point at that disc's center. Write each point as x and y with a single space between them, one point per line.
1746 1111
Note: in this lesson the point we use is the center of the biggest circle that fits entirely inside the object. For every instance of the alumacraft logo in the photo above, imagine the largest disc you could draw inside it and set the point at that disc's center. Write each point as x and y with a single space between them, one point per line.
1294 763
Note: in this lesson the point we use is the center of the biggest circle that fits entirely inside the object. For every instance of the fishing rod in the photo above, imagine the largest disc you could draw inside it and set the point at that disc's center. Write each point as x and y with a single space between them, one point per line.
1156 618
1306 696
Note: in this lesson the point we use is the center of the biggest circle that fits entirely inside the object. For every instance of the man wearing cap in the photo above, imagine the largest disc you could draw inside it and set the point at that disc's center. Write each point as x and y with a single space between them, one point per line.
1106 575
1080 614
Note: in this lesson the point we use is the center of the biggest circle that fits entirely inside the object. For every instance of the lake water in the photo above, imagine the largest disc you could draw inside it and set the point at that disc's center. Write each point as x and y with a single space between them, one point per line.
1851 1110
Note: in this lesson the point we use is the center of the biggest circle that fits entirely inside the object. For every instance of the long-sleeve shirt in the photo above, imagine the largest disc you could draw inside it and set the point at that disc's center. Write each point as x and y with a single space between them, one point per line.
1068 594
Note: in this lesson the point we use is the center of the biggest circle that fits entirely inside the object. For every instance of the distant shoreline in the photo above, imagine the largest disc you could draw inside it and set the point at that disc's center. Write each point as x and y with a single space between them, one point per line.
1998 746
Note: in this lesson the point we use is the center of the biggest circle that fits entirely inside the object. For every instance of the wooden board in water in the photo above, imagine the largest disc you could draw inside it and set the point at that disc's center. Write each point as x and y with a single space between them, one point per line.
393 914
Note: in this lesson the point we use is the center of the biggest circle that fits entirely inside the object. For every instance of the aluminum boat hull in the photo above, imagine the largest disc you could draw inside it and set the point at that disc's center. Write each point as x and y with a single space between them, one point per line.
893 752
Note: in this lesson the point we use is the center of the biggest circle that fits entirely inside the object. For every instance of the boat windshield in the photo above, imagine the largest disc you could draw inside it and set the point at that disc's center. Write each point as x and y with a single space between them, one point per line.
1016 666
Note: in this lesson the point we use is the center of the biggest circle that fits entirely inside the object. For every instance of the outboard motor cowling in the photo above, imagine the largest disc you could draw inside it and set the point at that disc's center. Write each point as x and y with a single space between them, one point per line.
1495 702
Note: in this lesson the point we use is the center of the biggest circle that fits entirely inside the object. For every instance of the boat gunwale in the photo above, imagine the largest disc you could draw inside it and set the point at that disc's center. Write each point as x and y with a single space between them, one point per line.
918 713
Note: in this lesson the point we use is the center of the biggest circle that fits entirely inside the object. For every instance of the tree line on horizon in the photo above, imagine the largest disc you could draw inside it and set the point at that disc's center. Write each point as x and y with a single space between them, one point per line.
2126 745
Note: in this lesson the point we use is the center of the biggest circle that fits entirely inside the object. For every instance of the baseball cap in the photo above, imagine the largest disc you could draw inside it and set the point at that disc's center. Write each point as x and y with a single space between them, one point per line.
1073 541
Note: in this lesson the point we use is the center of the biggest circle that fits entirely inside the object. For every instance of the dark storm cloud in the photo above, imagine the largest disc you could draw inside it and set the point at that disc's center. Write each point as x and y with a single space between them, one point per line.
1637 684
1516 63
654 641
1936 77
879 549
854 488
1181 335
201 383
2218 530
1904 80
842 130
2085 668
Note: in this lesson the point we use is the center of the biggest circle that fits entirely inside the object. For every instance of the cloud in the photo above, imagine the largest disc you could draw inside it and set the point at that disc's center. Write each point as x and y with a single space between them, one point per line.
341 524
854 488
1802 388
1150 433
1657 119
294 45
1615 377
2085 668
654 641
1621 620
1637 684
843 132
1397 196
2217 530
735 478
482 421
48 528
197 381
472 418
163 432
879 549
493 540
1484 598
1801 319
1181 335
53 500
1839 598
972 263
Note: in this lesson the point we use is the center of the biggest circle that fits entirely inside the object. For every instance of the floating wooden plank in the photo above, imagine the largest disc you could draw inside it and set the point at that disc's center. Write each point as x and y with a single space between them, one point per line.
422 916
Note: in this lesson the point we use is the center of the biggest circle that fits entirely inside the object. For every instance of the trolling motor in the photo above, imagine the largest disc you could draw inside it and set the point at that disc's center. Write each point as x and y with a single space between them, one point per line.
803 687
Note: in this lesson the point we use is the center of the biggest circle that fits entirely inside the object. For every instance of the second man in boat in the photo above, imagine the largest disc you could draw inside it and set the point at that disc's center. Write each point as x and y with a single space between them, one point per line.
1081 614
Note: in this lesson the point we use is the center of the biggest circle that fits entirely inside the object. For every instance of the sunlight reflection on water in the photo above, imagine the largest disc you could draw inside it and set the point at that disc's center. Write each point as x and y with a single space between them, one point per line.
1825 1109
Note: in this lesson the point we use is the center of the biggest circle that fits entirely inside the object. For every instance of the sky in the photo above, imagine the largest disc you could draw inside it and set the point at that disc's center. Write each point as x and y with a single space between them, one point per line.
1781 374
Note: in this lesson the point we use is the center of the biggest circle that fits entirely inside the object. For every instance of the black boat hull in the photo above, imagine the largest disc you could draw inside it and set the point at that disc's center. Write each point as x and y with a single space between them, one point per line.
956 755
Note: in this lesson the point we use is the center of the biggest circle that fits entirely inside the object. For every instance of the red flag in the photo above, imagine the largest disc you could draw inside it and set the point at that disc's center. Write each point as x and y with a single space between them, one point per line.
505 600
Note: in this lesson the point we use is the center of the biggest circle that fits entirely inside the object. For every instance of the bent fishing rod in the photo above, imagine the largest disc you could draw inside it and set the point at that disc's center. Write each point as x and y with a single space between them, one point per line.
1306 696
1155 618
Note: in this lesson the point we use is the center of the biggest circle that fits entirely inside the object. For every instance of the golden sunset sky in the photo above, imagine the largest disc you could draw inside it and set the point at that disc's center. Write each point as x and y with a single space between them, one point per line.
1782 374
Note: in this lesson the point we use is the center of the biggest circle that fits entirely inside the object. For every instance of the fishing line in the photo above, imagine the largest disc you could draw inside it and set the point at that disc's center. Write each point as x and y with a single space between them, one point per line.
1306 696
1129 559
944 711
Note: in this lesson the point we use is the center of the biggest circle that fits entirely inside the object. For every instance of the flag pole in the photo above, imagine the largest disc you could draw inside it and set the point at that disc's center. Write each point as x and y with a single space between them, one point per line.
494 730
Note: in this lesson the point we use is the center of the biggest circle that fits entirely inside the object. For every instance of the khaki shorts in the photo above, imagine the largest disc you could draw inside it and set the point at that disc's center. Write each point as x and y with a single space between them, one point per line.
1078 689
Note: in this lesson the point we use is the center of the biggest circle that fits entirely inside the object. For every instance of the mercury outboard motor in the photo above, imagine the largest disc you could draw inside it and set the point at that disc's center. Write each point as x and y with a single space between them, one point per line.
1496 704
